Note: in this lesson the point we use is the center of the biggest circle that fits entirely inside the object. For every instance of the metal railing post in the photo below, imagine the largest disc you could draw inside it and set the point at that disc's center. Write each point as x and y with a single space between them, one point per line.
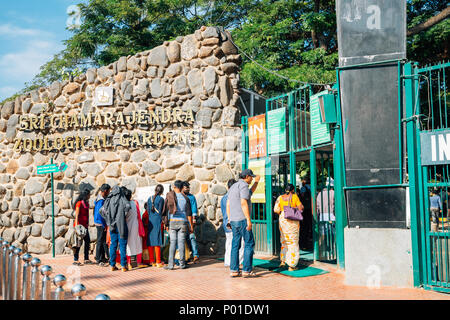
78 291
10 272
16 288
26 276
35 263
46 271
59 281
5 250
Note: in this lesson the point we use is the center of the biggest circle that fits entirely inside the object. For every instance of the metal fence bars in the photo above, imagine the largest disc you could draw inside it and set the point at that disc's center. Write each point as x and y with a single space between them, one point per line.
21 278
430 101
325 208
290 156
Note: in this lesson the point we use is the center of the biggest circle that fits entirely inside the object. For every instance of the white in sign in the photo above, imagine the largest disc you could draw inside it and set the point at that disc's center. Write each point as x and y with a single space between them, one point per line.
443 146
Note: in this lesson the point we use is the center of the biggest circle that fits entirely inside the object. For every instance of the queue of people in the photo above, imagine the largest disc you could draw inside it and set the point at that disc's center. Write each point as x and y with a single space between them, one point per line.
120 224
122 229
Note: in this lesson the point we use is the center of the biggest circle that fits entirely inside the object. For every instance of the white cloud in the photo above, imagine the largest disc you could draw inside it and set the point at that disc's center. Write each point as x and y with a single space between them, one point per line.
7 92
24 64
19 63
9 30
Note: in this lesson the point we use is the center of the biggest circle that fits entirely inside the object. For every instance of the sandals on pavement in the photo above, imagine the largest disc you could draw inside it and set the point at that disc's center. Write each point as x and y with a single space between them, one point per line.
77 263
88 262
250 274
235 274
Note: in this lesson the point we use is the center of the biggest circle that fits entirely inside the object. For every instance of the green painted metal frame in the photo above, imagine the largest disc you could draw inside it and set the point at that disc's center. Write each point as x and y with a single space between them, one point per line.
339 182
399 63
414 174
299 143
339 170
244 142
313 177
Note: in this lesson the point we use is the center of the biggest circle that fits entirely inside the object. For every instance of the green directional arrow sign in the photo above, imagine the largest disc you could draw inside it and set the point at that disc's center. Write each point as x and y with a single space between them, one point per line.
49 168
63 167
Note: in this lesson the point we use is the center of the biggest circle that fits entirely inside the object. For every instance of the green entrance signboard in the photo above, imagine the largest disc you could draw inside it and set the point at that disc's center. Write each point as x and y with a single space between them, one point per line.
276 128
320 132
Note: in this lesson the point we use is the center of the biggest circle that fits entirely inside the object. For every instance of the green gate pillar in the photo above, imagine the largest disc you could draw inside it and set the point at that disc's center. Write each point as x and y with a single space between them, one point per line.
244 142
269 206
413 168
315 226
292 139
339 183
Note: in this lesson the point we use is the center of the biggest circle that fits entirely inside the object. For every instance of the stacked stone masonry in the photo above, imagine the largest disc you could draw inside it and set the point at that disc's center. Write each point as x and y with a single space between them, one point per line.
197 72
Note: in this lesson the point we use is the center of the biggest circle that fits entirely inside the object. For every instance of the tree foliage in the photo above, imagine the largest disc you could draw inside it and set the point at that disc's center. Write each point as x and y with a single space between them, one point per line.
296 38
432 44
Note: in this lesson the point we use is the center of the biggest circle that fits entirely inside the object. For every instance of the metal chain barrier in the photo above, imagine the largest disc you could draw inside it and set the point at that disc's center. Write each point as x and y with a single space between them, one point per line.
21 277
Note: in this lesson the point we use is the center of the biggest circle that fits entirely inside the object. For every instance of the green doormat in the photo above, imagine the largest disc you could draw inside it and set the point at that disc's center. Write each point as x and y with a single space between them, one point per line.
273 265
302 271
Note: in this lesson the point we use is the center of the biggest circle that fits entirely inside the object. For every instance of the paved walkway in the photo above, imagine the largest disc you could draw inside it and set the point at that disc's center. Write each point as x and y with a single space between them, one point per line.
210 280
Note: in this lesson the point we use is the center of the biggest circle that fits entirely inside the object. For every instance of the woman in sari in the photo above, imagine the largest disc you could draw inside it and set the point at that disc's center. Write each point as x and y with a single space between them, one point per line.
289 229
135 232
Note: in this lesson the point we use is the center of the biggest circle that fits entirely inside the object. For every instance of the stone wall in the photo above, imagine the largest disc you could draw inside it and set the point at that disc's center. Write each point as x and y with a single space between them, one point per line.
197 72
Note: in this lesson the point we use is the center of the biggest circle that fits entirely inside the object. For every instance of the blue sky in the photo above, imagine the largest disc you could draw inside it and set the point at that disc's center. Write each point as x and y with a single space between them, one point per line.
31 32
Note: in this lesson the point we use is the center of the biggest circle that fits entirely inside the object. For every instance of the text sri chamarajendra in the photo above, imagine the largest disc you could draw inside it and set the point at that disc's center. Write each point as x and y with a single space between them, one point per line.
161 127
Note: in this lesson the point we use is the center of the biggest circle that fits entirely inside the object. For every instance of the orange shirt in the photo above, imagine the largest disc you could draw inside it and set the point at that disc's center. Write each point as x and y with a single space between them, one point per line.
295 202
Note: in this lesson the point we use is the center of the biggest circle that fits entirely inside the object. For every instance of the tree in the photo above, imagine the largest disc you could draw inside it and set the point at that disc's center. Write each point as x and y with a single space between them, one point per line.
297 39
428 31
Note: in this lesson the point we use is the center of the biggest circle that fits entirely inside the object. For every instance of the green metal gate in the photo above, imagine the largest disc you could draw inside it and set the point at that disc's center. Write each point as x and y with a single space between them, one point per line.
326 217
427 95
282 168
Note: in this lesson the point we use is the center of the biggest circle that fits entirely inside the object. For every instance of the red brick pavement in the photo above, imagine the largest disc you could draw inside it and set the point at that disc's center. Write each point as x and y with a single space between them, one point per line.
210 280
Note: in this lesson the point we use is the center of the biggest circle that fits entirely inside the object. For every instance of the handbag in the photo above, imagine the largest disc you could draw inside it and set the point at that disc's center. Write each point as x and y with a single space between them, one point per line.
292 213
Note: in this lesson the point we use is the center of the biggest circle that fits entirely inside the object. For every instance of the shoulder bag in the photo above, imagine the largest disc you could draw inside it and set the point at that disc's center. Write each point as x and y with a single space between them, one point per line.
292 213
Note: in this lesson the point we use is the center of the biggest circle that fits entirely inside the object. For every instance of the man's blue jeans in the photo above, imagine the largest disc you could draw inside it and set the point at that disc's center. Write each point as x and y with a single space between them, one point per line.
177 233
239 229
193 243
115 239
